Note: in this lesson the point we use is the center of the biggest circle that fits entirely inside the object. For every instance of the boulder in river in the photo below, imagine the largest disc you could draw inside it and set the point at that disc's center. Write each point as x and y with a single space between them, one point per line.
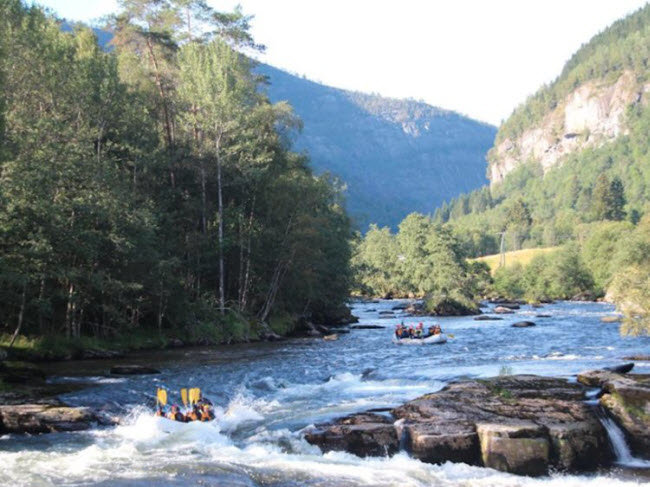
41 418
610 319
523 324
620 369
367 327
487 318
502 310
96 353
446 306
519 424
363 435
640 358
133 370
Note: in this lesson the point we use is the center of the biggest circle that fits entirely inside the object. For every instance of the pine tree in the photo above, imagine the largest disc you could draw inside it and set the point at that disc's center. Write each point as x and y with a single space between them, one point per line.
601 201
617 200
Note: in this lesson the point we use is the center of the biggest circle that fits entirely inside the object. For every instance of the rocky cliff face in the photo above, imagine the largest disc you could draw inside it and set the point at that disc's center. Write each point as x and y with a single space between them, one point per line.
394 156
590 116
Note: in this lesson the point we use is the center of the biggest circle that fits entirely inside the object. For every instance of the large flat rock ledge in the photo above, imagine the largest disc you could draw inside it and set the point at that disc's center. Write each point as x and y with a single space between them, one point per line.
44 418
521 424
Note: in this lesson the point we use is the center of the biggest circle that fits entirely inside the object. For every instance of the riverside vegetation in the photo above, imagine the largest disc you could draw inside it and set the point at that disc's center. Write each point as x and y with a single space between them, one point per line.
592 205
149 192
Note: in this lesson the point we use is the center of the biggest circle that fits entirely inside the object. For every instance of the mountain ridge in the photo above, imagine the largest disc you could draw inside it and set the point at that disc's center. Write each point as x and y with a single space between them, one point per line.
421 155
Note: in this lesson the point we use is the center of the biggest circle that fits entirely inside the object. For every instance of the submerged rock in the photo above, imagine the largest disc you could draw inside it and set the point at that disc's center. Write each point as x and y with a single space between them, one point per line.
133 370
611 319
519 424
487 318
523 324
640 358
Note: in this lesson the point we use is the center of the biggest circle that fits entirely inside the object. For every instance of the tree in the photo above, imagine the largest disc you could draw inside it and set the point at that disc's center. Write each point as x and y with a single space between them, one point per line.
617 200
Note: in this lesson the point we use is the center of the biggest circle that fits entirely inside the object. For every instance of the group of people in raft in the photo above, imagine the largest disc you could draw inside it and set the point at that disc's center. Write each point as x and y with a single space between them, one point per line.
201 410
402 331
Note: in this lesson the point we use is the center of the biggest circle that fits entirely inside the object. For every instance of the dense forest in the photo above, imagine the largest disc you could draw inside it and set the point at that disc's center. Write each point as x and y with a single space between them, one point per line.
151 190
394 156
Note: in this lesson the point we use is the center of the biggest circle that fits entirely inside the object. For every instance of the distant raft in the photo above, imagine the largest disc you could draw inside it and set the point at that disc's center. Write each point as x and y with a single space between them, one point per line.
440 338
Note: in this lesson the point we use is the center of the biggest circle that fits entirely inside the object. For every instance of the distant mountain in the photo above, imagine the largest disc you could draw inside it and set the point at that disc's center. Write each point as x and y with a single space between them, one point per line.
395 156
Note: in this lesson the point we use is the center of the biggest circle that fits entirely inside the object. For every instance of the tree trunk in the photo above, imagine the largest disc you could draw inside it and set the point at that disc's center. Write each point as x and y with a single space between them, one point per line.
68 311
247 272
222 298
41 295
21 314
167 123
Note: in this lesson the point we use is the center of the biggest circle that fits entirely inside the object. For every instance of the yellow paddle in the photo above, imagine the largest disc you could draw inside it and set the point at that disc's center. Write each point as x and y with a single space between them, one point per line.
184 396
161 395
451 335
195 395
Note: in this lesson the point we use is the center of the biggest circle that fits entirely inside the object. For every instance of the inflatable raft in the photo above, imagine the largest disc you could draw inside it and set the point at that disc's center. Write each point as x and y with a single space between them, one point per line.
429 340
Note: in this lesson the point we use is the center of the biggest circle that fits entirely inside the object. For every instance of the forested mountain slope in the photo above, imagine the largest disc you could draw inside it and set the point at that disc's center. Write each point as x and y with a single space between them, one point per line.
394 156
576 152
585 106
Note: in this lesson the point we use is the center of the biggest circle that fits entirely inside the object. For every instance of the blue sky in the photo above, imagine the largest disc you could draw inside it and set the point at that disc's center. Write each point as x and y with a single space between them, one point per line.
481 58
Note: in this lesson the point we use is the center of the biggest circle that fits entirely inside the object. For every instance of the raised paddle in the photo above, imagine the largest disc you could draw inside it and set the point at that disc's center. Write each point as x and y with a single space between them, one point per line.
161 396
195 395
451 335
184 396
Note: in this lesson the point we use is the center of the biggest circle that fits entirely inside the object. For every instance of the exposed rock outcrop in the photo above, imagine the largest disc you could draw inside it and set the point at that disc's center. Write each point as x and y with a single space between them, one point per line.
361 434
590 116
627 399
40 418
519 424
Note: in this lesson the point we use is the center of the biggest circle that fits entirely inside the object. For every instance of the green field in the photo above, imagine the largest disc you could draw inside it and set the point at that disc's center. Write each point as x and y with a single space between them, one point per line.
522 257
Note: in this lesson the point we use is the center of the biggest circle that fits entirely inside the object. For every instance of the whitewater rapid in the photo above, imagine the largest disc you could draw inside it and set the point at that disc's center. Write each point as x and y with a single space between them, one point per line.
267 394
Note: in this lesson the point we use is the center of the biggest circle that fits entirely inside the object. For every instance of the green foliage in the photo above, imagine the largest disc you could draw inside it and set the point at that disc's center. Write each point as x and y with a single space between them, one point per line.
423 259
600 242
560 274
630 286
508 281
622 46
138 184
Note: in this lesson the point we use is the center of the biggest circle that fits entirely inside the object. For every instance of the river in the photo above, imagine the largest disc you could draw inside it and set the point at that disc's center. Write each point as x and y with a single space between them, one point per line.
267 393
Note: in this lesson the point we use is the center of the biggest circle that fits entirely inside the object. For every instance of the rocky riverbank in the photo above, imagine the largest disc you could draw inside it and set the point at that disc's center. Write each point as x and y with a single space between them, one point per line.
29 405
521 424
626 397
